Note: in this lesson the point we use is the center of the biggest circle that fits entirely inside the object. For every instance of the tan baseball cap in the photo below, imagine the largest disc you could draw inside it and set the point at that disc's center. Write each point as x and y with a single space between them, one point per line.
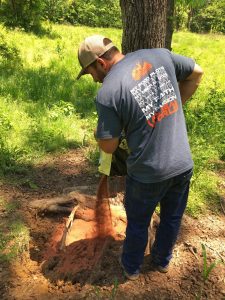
90 49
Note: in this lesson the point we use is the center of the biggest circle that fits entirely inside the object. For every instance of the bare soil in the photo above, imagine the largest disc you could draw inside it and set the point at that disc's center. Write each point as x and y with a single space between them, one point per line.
88 267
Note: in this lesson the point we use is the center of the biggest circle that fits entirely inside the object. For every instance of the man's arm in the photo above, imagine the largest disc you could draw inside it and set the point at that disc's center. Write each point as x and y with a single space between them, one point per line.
109 145
190 84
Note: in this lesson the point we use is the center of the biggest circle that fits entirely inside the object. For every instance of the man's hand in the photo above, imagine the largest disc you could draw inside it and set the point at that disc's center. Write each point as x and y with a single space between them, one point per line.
190 84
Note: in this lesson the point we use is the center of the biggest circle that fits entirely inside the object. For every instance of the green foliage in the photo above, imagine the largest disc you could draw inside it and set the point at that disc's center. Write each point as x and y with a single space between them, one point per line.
99 13
206 270
9 54
11 206
19 233
204 118
197 16
191 3
200 16
59 11
7 160
14 234
180 17
210 18
183 12
109 295
114 290
28 14
25 14
42 107
205 127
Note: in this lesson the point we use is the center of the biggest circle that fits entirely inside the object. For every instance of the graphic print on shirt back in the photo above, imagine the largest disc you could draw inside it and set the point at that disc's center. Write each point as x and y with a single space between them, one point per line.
141 70
155 94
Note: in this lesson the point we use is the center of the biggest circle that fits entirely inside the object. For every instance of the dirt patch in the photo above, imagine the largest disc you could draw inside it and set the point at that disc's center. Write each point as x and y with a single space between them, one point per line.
89 269
92 231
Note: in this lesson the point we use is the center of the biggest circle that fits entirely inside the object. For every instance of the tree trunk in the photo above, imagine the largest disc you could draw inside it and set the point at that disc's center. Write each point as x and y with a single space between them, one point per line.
190 14
170 24
144 24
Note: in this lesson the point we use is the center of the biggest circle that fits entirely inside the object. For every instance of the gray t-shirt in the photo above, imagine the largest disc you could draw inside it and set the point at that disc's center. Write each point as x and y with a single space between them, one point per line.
140 95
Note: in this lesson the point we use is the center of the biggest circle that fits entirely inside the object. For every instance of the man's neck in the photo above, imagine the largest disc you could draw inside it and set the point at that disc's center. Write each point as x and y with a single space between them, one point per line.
116 58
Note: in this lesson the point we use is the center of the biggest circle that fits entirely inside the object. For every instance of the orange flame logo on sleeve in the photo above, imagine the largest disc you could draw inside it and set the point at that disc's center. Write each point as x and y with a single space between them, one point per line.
140 70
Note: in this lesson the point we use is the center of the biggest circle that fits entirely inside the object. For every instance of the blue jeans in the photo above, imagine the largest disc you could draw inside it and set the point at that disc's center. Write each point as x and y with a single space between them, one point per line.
141 200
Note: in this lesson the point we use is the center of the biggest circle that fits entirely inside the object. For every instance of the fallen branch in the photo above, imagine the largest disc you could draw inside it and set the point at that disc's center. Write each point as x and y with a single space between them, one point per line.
64 203
57 204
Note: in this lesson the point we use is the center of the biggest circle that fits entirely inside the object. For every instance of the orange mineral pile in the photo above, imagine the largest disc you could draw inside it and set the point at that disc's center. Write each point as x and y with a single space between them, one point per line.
88 236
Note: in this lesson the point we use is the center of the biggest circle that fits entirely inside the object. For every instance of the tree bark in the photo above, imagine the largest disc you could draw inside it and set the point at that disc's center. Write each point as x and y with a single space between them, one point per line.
169 24
144 24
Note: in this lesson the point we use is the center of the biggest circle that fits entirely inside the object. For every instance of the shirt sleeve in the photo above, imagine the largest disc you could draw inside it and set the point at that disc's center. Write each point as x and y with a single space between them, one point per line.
184 66
109 125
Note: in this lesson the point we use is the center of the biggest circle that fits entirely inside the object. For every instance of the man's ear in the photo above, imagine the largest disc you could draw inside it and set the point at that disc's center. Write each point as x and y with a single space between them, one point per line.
102 62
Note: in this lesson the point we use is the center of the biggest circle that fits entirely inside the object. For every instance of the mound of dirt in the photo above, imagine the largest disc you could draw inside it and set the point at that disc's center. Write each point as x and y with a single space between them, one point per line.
91 231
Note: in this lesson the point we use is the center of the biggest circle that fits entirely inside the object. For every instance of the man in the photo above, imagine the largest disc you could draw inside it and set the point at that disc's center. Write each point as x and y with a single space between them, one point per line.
142 94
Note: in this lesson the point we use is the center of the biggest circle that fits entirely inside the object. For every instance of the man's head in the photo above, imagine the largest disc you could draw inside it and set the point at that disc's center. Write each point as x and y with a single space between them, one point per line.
96 56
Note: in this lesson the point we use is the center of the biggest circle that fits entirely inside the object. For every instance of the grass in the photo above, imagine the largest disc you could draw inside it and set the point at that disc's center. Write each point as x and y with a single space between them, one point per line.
111 295
14 234
205 118
43 109
206 271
